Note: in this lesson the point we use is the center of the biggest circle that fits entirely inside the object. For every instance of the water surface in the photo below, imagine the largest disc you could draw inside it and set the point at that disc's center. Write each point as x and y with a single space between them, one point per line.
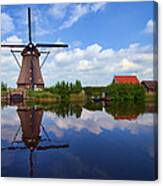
93 141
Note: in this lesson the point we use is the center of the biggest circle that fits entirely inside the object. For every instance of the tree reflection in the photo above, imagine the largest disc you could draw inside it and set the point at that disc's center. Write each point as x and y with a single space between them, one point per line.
123 110
126 110
119 110
62 109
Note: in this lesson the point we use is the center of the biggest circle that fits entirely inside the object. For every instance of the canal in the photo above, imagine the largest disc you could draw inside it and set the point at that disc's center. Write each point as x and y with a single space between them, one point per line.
85 141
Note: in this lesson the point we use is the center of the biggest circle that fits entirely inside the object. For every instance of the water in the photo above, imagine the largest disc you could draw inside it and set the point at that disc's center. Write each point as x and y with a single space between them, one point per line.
91 141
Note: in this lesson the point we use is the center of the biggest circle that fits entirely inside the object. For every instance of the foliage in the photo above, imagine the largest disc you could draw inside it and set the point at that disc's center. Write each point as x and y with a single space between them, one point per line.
60 109
64 89
90 105
126 109
94 91
3 86
122 92
40 94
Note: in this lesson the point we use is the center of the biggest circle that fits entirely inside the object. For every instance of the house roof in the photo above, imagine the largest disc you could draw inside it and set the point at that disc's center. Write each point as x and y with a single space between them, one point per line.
130 117
126 79
150 85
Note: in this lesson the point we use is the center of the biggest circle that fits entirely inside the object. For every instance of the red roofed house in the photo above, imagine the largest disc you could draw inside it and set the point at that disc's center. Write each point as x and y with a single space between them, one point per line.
125 80
150 86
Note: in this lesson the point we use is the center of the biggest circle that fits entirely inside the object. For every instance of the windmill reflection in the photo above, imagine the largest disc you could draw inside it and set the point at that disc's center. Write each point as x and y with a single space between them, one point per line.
30 119
31 126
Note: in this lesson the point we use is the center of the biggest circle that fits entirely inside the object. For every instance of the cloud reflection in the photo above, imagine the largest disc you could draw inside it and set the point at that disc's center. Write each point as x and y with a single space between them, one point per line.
94 122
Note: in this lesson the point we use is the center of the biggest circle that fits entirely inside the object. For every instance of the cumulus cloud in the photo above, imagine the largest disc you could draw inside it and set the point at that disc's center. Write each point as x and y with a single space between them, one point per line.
149 27
93 65
127 65
13 39
84 65
7 22
9 68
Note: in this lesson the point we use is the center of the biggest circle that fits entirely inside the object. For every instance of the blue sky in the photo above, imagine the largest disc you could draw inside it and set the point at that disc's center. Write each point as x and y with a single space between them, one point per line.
105 39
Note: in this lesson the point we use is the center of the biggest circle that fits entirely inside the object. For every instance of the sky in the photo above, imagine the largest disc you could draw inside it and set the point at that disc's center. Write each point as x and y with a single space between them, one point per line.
105 39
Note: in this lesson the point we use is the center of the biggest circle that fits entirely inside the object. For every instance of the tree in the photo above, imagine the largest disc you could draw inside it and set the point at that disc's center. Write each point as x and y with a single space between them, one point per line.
3 86
122 92
77 86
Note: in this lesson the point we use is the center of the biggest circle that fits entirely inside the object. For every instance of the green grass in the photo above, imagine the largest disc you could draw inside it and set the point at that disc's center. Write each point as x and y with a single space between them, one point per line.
45 95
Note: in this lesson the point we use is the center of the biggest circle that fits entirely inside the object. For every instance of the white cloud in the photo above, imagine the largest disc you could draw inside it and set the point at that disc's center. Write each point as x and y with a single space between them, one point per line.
7 23
97 7
149 27
8 66
58 10
84 65
79 10
13 39
76 13
127 65
93 65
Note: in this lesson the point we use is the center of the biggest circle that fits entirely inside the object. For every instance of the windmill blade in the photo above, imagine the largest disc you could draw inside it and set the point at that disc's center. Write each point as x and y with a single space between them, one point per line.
42 148
52 45
39 148
13 148
13 45
29 25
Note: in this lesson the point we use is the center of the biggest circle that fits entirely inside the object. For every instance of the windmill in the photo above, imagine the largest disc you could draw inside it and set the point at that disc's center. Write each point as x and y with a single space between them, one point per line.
30 71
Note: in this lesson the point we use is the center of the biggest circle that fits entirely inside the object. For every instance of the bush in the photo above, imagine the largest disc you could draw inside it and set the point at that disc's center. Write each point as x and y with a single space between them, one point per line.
94 91
122 92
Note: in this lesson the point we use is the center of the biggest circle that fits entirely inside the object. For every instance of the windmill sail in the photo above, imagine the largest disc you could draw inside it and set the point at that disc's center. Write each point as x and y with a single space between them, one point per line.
30 71
29 25
13 45
51 45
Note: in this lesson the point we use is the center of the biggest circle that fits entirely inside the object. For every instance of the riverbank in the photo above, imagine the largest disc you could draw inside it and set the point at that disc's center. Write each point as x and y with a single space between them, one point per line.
48 97
68 92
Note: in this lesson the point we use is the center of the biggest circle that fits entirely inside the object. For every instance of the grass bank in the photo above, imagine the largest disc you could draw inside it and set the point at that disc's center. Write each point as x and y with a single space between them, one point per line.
46 96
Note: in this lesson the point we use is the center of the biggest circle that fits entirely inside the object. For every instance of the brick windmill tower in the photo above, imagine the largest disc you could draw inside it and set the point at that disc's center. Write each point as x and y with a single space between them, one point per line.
30 75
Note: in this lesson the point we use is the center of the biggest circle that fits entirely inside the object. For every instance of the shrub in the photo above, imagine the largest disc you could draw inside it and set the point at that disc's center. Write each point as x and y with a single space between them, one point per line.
122 92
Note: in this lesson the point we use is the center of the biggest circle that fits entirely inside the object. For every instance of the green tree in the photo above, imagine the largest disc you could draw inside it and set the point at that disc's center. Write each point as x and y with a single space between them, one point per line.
3 86
122 92
77 86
